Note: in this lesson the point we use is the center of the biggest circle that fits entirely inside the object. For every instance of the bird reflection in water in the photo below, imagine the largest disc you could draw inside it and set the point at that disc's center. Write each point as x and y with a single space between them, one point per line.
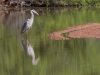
30 51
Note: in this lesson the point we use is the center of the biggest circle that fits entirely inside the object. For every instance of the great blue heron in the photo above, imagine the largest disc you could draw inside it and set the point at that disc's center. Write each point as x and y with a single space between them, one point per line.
28 24
28 48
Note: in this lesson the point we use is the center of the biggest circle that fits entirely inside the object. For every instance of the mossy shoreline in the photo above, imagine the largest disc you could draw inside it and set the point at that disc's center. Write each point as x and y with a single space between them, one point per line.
47 3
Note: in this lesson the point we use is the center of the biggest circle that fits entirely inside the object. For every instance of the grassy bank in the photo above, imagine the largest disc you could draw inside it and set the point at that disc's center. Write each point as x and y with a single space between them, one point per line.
75 2
49 3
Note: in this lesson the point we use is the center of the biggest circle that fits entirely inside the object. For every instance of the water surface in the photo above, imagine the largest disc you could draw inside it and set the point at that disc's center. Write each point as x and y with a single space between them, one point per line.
71 57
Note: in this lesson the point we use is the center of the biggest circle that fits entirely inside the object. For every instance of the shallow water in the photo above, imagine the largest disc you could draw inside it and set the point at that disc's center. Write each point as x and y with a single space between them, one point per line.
70 57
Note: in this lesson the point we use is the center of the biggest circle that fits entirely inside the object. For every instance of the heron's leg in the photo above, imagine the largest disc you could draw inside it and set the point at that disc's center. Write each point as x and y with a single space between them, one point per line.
26 34
27 42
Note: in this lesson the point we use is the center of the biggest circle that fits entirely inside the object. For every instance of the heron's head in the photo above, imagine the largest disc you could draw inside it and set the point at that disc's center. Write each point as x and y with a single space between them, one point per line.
34 12
34 62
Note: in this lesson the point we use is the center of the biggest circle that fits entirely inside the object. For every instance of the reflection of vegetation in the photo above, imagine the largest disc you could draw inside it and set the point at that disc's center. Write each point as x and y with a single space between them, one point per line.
72 57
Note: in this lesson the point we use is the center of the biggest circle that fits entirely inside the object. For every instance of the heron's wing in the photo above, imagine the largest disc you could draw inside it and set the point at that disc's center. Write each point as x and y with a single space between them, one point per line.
24 45
25 26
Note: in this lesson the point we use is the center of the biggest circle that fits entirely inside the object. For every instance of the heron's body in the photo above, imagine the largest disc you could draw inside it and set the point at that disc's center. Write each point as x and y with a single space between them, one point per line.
28 24
30 51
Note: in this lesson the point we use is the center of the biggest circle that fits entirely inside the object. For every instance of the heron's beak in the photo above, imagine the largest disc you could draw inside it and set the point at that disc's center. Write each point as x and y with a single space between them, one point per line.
37 13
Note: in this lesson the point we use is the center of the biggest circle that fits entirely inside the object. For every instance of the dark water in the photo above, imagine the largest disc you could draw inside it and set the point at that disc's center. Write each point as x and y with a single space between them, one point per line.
71 57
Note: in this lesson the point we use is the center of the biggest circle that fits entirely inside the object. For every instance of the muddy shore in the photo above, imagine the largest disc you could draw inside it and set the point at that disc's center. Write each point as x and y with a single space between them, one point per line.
89 30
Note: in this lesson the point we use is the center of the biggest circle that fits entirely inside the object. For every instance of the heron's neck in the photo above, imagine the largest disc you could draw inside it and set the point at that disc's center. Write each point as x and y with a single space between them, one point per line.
32 16
33 57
